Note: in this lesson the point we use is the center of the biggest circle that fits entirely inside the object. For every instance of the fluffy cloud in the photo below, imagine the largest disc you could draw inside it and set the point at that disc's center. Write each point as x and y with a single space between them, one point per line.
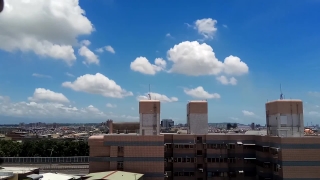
61 23
97 84
90 57
41 94
247 113
142 65
107 48
157 96
109 105
314 93
57 112
85 43
69 74
200 93
41 75
225 81
206 27
195 59
234 66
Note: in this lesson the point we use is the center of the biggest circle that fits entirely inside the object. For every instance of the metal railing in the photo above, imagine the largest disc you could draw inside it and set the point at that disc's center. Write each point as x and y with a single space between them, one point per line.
41 160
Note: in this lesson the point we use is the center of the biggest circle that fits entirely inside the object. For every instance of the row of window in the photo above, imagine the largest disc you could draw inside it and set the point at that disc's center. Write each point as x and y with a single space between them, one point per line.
210 160
220 146
183 160
218 174
183 174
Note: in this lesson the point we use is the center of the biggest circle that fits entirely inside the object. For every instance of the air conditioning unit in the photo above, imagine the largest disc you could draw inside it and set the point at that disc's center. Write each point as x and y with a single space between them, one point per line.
200 169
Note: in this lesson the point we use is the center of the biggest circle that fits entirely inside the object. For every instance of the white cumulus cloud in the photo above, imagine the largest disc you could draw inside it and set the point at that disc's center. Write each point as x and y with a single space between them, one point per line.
90 57
247 113
49 28
200 93
195 59
108 48
109 105
41 75
157 96
41 94
142 65
58 112
226 81
69 74
206 27
97 84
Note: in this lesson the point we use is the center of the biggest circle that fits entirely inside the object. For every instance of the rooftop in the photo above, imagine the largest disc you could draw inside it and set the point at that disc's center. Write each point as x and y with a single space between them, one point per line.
114 175
149 100
285 100
199 101
18 170
52 176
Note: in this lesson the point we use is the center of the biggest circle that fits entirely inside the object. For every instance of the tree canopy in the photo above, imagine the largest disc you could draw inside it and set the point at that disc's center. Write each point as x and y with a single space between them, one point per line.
43 148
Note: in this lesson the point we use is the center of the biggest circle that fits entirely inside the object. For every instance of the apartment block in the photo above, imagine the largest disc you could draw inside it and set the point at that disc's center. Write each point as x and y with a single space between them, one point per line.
149 111
206 157
131 153
284 154
285 118
197 117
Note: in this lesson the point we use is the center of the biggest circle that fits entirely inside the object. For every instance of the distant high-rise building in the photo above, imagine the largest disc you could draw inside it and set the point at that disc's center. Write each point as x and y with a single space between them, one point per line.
167 123
285 118
197 117
149 111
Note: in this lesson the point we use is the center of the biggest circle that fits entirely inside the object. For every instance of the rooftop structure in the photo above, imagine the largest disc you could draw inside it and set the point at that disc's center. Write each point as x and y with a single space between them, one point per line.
285 118
113 175
17 172
149 111
197 117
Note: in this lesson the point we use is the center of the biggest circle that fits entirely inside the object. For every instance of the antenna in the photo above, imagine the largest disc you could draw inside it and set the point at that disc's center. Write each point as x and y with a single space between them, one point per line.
149 95
281 95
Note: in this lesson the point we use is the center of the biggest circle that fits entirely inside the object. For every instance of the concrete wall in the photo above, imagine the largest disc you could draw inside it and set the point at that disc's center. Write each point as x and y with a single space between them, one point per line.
197 117
147 121
198 123
148 109
285 118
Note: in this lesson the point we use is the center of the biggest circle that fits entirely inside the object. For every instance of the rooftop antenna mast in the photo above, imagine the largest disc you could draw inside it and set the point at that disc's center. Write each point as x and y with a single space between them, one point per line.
281 94
149 94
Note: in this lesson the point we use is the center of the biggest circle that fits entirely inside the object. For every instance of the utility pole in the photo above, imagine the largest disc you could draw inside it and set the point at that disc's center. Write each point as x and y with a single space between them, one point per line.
51 157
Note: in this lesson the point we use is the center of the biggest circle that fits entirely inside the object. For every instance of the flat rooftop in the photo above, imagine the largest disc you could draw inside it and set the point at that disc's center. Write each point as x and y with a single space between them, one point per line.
114 175
149 100
285 100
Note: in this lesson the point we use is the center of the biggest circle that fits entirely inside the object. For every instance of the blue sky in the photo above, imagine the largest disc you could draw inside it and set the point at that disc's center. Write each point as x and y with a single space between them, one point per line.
59 64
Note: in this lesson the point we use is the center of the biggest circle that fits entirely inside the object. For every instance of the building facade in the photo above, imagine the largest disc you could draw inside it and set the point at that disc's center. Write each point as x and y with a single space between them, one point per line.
197 117
167 123
149 111
285 118
202 156
205 157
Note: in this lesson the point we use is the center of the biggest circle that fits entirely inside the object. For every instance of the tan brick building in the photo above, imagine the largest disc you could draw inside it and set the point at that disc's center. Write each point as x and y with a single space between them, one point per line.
215 156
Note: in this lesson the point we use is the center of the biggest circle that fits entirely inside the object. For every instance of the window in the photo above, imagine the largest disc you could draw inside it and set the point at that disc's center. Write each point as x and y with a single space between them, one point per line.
120 165
120 148
231 146
199 139
199 166
199 152
249 173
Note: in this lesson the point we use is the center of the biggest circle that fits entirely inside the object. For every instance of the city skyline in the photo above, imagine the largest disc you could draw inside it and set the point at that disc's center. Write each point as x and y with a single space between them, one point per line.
90 62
